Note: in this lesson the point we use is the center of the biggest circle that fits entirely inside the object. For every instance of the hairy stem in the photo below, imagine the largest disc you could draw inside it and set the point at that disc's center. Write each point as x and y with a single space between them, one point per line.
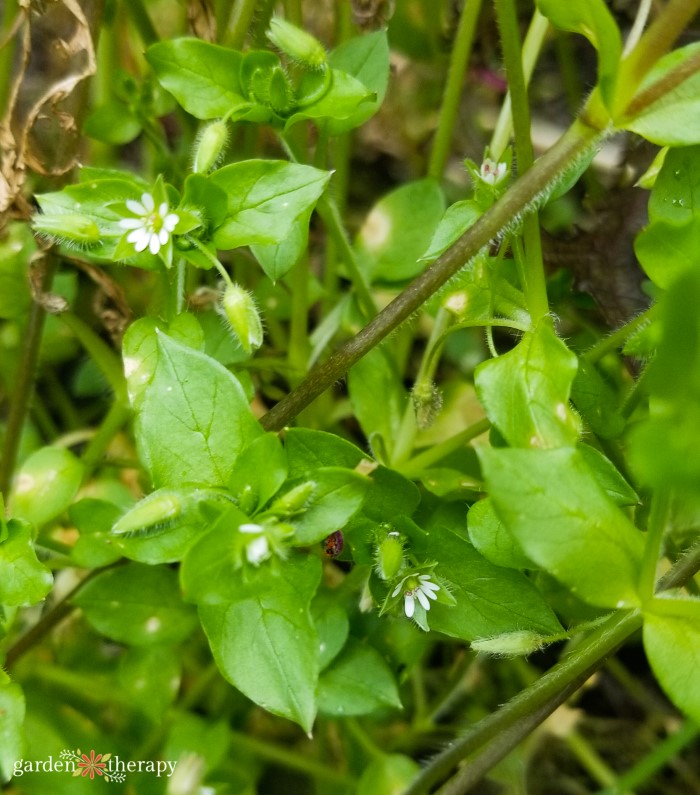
459 61
521 198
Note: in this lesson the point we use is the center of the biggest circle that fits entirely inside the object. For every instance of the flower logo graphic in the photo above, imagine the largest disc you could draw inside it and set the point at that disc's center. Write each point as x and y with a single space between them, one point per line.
91 765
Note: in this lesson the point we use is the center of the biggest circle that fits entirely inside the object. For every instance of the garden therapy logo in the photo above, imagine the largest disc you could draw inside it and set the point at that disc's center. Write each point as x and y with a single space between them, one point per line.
93 766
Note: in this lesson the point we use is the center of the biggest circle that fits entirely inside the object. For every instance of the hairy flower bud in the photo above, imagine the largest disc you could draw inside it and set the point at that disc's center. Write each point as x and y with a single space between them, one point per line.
210 146
297 43
71 228
388 557
156 512
239 308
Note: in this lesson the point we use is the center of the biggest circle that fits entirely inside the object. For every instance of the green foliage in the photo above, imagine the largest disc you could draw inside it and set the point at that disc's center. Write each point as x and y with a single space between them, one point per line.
237 542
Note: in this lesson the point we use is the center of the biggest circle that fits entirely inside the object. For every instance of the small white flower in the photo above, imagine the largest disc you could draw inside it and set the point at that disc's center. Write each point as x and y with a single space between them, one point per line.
491 172
257 549
421 588
152 228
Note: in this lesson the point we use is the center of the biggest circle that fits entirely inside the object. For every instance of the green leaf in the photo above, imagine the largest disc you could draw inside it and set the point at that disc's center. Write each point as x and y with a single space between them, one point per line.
490 600
378 397
150 678
277 259
454 223
23 580
211 570
398 229
388 775
265 643
340 102
93 519
674 118
597 401
46 484
390 494
358 682
336 496
525 392
672 643
137 605
592 19
193 420
12 709
140 348
664 447
113 123
259 473
563 520
203 77
331 621
492 539
264 200
367 59
666 248
308 450
608 476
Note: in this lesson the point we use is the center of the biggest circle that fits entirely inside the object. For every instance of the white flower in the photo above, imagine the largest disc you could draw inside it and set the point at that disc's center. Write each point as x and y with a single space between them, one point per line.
151 228
257 549
421 588
491 172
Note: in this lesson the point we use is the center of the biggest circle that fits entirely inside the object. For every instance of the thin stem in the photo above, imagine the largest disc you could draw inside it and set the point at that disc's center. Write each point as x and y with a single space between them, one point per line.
590 760
534 39
142 22
658 520
522 197
363 739
657 40
115 419
459 60
619 337
656 760
535 285
291 760
239 22
638 27
24 384
432 455
298 350
105 358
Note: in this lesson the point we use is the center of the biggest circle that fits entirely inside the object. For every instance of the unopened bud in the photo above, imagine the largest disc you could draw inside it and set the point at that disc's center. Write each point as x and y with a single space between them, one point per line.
159 511
68 227
510 644
294 500
297 43
239 308
427 402
389 558
210 146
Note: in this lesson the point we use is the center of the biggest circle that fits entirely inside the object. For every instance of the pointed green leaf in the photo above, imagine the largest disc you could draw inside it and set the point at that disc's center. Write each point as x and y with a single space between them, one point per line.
193 419
525 392
563 520
265 643
358 682
672 644
23 580
264 199
12 709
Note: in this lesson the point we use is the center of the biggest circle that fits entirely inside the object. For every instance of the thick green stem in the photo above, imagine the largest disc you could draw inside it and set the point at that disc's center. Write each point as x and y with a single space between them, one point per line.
459 61
239 22
658 519
534 286
534 40
24 386
524 195
619 337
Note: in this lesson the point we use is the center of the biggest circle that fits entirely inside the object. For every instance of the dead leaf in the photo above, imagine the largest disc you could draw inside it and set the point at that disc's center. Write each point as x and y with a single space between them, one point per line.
201 19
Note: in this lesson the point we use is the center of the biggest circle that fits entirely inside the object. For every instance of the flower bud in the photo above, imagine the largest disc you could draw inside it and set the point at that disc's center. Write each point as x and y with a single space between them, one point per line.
154 513
427 402
510 644
297 43
238 307
210 146
68 228
389 558
294 500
